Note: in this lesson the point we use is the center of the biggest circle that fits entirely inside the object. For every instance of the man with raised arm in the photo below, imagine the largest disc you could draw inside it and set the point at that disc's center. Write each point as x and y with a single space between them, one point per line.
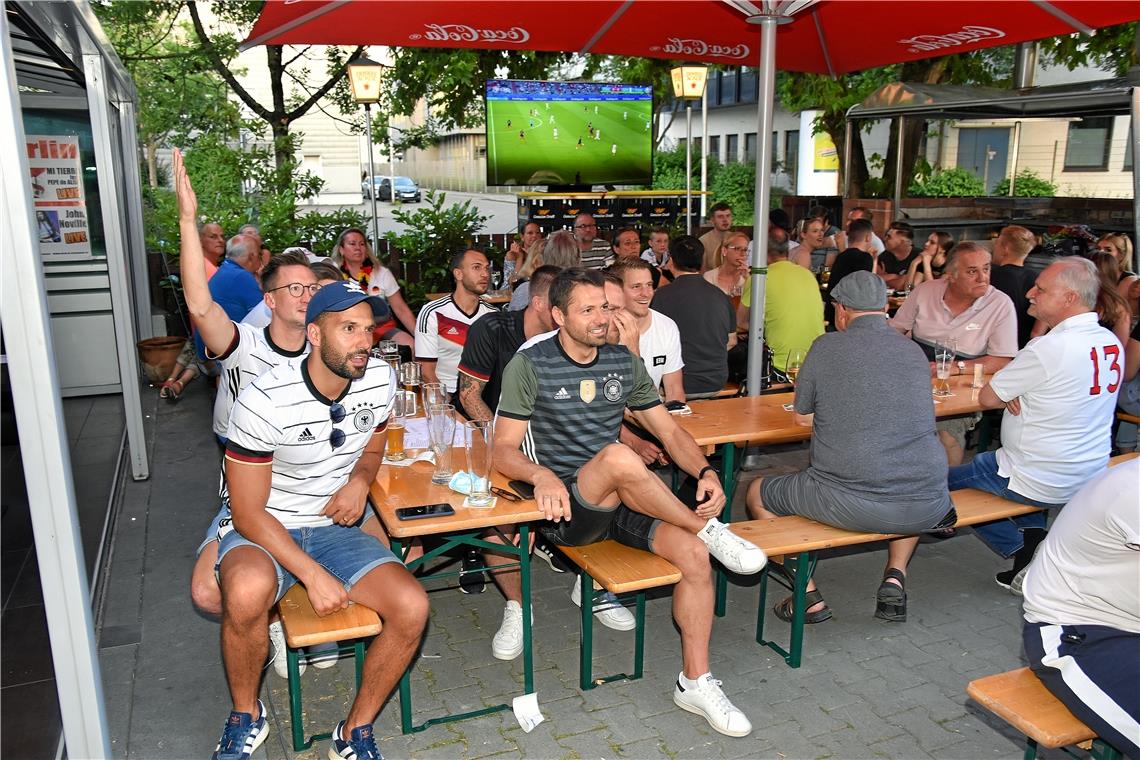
561 408
243 352
304 444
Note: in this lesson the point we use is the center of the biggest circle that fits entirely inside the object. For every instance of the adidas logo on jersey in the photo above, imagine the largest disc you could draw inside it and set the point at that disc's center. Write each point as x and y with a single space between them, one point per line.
306 436
452 331
561 395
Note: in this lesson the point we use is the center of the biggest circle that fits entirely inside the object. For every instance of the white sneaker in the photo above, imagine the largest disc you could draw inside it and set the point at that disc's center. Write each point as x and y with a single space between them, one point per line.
277 642
508 642
607 609
322 656
736 554
707 699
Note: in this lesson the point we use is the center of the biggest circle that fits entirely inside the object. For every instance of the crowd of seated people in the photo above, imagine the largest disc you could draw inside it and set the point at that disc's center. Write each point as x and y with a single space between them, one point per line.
296 330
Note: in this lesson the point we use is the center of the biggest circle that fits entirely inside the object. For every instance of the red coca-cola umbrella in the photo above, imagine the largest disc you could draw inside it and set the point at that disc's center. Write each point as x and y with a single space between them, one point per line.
819 36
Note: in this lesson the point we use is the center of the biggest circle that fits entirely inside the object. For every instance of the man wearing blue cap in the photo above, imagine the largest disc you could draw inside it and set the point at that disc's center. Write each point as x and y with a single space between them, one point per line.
875 458
304 443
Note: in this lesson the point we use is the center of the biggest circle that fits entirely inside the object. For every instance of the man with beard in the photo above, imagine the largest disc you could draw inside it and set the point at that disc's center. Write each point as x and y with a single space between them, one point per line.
305 442
442 326
566 397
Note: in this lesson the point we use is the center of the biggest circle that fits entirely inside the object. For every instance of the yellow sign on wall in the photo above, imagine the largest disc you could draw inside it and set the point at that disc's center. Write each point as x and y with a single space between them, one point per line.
824 154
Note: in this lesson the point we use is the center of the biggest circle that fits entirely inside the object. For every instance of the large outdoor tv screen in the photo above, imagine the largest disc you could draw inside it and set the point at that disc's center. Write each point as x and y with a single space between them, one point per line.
569 133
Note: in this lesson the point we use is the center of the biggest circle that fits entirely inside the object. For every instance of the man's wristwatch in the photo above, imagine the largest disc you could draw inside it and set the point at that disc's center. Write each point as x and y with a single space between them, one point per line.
708 468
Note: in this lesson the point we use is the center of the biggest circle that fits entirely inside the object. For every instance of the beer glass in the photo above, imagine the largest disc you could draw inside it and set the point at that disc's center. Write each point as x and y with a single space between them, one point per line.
795 361
441 431
395 447
434 395
479 442
944 356
410 383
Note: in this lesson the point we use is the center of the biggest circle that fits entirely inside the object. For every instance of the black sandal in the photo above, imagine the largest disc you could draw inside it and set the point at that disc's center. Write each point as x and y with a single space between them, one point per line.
786 608
890 601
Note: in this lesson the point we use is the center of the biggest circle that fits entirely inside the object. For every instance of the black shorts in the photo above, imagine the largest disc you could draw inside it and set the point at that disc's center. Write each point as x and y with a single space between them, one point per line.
590 523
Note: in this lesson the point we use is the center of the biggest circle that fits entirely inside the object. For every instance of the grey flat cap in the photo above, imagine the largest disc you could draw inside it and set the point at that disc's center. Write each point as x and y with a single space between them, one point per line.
861 291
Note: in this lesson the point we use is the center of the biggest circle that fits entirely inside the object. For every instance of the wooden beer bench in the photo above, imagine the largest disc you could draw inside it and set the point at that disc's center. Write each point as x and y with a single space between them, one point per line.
1020 699
619 569
800 538
303 628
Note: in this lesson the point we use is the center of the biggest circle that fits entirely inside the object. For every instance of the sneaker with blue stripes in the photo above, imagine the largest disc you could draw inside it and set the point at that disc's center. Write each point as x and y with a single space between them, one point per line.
360 745
242 735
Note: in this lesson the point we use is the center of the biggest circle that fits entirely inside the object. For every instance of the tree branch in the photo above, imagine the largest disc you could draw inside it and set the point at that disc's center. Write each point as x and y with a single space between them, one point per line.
293 60
300 110
220 66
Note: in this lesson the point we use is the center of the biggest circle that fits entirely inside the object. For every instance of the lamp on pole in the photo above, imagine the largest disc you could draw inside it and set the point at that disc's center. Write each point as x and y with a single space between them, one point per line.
689 85
364 81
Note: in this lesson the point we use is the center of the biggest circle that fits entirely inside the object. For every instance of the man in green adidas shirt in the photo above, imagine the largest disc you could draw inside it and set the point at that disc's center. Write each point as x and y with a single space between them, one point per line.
559 417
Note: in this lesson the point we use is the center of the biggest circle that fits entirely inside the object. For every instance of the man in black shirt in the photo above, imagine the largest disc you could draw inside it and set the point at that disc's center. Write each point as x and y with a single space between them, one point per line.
860 256
492 343
704 318
1009 275
895 261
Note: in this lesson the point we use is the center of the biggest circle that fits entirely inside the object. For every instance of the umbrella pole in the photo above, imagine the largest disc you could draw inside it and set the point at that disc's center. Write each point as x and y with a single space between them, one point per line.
758 273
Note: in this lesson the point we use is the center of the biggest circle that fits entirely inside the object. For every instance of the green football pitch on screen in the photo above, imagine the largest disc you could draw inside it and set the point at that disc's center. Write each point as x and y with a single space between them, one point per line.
569 142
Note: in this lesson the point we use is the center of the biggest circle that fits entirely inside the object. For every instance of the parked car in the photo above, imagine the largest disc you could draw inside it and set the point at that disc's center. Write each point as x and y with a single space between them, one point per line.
406 190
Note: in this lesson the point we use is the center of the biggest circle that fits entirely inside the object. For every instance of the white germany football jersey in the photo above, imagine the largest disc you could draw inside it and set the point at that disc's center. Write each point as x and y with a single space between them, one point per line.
282 420
441 332
251 353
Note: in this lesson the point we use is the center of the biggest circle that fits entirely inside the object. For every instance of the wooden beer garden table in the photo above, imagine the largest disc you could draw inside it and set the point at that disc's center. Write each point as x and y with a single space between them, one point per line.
411 486
762 420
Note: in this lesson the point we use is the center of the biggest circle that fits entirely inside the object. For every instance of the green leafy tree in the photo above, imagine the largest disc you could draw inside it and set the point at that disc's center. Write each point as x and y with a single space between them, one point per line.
179 93
1029 185
1112 48
433 233
735 184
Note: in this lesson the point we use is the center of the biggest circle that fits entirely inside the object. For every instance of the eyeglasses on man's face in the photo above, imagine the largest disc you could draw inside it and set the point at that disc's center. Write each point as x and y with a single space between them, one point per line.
296 288
585 226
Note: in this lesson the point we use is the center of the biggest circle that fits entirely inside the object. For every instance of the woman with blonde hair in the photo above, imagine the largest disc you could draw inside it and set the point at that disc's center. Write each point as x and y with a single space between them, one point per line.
1112 310
353 255
1119 246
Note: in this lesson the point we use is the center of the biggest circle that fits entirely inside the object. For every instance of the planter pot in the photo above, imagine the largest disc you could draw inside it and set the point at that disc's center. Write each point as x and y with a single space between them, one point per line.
158 356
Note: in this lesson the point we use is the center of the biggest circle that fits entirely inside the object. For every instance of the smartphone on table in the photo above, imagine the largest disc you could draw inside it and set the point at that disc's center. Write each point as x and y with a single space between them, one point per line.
424 511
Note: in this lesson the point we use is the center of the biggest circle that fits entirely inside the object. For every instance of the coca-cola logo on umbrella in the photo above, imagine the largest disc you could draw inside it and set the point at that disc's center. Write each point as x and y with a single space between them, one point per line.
924 43
464 33
678 46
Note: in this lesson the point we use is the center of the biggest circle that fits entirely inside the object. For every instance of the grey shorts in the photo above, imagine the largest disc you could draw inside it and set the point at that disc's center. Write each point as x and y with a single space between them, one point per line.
803 494
957 427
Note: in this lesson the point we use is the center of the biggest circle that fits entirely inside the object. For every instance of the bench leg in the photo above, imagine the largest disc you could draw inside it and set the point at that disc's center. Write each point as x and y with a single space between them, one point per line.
1030 749
586 645
639 637
1102 750
292 663
728 483
794 653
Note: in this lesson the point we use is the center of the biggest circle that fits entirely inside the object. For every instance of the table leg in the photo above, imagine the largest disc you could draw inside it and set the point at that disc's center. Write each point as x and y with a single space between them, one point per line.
728 479
528 642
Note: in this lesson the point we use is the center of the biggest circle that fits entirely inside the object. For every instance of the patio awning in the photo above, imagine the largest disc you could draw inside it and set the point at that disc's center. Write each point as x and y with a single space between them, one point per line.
1106 97
829 36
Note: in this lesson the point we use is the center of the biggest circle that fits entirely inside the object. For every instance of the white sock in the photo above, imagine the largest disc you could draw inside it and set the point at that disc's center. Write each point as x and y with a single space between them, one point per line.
686 683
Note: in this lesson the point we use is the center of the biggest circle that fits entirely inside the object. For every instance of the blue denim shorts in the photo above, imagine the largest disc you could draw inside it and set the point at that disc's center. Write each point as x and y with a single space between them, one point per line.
215 526
347 552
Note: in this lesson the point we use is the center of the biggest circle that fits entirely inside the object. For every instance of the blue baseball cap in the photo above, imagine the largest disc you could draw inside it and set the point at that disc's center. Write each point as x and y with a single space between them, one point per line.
338 296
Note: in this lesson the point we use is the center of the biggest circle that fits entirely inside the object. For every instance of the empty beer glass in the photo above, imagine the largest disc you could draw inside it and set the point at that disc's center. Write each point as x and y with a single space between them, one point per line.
479 442
441 432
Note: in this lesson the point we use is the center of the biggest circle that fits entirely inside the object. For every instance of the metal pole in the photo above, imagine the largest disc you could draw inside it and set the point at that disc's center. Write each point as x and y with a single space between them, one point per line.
765 101
114 236
132 198
847 150
43 437
688 167
1016 150
704 151
899 168
371 180
1135 137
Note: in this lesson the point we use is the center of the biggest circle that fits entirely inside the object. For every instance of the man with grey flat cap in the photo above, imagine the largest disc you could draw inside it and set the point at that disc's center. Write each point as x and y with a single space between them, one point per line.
876 463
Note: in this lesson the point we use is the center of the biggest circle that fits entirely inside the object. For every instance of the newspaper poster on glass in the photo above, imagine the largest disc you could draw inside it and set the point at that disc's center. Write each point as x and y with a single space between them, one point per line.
57 190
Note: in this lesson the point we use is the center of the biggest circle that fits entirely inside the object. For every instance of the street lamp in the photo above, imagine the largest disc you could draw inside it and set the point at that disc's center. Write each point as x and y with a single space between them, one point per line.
364 81
689 85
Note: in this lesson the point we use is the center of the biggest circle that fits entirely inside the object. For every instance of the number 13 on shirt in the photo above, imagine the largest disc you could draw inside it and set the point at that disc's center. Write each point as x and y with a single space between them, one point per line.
1112 360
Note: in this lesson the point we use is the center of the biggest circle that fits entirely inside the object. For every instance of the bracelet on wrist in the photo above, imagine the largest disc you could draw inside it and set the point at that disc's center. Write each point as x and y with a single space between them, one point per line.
707 468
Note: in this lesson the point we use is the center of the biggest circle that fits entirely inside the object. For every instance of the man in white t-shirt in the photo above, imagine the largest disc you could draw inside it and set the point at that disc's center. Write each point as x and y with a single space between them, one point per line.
304 444
1082 611
659 343
441 328
1059 395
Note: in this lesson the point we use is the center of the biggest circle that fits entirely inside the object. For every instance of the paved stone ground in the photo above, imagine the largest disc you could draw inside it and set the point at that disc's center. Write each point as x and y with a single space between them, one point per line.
866 688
